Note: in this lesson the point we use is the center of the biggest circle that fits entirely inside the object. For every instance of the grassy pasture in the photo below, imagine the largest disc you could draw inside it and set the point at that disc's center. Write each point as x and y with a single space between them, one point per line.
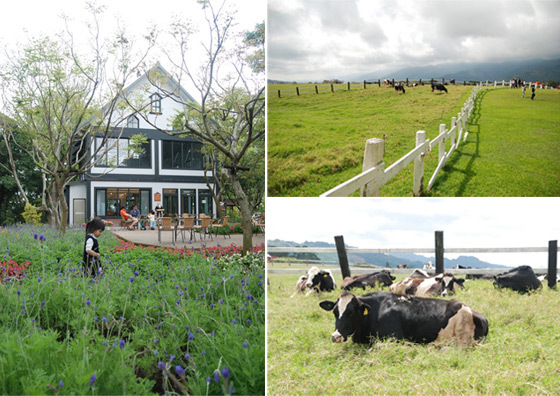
316 142
521 354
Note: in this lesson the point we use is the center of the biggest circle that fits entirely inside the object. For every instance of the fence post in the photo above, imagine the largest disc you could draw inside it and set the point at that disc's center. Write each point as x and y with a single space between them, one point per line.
373 157
441 146
297 91
379 83
418 185
454 134
279 94
439 252
364 84
316 90
552 263
342 258
349 85
332 88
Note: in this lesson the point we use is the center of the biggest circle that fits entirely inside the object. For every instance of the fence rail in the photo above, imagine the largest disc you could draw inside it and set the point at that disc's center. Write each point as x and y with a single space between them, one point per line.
326 87
374 175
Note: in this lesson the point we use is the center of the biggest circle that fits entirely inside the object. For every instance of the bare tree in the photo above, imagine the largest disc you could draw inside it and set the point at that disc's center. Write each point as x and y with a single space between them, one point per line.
56 98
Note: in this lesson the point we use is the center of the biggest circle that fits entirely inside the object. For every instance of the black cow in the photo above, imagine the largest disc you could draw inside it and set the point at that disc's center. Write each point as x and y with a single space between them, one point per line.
383 278
316 280
422 320
439 87
399 87
521 279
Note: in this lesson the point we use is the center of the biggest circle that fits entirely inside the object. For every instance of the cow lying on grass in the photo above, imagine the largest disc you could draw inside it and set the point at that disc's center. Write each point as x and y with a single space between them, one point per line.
439 87
420 284
521 279
382 278
316 280
421 320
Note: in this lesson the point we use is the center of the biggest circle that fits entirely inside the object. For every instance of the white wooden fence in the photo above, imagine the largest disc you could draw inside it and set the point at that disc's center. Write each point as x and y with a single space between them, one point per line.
374 175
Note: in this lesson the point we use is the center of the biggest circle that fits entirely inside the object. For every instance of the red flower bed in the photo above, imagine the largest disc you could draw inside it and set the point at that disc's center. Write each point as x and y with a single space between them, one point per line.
10 268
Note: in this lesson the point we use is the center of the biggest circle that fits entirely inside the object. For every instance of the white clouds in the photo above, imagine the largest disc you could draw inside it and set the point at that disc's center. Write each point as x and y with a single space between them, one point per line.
362 36
411 223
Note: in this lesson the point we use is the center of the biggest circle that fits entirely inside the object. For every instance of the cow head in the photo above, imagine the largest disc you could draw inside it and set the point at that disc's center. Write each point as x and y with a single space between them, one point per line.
321 280
449 283
349 313
311 275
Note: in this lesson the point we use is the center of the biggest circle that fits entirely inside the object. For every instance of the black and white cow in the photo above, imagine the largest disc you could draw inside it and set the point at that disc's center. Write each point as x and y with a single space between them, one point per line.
383 278
439 87
399 87
417 284
316 280
382 315
521 279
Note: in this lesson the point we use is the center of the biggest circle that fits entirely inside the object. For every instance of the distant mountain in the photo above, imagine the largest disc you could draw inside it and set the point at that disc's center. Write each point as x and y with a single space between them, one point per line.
381 260
529 70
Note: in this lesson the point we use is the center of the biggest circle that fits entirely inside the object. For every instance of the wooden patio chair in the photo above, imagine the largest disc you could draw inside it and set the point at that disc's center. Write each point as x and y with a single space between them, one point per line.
222 223
204 226
187 225
258 221
166 224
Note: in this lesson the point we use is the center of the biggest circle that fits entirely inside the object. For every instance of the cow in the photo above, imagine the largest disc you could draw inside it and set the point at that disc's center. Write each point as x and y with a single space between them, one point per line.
383 278
439 87
316 280
399 87
418 285
381 315
521 279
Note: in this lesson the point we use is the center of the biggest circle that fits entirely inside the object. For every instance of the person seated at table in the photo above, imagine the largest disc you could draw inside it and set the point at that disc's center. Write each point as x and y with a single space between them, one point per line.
128 218
152 218
136 214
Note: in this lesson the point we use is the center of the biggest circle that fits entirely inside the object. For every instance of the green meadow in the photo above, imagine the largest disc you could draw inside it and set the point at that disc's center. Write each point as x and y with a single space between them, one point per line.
316 141
521 354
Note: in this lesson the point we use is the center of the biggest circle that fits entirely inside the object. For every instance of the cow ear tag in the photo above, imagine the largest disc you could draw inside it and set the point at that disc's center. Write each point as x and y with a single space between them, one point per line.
365 311
325 275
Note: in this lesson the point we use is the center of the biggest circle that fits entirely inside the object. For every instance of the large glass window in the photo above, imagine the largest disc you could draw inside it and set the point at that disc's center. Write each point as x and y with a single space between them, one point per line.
109 200
188 201
170 201
181 155
121 155
205 202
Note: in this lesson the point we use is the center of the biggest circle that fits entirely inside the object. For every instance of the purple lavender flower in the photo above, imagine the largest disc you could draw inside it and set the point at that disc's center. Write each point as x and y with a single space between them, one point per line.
131 279
159 326
245 345
18 292
42 304
216 376
234 321
88 302
39 280
121 344
42 238
179 370
225 372
60 384
104 319
208 379
191 336
161 365
35 236
92 380
187 356
136 273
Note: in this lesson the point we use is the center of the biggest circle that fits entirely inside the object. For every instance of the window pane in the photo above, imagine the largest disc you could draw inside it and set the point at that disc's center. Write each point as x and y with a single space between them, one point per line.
167 154
123 151
101 205
144 202
113 204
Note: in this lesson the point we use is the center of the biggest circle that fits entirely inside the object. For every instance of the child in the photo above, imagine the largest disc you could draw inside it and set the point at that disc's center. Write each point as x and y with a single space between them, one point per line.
91 247
152 218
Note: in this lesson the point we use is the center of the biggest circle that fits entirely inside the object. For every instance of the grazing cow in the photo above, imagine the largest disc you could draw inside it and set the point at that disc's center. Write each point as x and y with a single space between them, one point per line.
439 87
383 278
399 87
418 285
402 266
521 279
316 280
422 320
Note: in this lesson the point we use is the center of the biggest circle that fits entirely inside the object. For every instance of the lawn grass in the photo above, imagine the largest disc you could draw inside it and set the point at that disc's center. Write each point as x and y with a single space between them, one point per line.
521 354
512 149
316 142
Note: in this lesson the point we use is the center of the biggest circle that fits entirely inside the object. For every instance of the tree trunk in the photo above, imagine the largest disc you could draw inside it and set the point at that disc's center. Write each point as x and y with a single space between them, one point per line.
246 214
63 206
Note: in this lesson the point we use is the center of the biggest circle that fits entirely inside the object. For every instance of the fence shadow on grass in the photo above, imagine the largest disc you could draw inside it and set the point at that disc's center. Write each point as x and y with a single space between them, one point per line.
464 150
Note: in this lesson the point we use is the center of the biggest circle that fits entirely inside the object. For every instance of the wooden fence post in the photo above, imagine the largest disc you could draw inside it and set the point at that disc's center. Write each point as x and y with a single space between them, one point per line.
373 157
439 252
379 83
552 263
279 94
332 88
297 91
316 90
364 84
342 258
418 185
349 85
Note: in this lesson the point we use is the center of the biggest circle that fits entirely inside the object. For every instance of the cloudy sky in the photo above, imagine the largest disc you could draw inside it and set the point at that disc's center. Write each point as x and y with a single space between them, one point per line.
411 223
323 39
22 20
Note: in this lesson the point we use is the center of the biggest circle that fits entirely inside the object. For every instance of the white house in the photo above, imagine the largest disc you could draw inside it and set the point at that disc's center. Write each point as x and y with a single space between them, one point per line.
170 171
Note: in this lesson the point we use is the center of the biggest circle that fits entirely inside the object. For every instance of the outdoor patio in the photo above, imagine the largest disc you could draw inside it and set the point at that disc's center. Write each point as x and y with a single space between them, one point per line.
150 237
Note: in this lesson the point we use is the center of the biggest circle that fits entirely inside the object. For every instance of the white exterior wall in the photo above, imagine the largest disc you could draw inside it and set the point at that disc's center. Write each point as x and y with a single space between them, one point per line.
75 192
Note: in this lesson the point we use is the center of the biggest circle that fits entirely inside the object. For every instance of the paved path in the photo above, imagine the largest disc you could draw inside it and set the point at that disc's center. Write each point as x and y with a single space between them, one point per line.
150 237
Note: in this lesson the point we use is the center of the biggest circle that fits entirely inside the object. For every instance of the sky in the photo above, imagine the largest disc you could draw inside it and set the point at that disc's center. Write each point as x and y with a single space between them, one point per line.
19 24
412 222
312 40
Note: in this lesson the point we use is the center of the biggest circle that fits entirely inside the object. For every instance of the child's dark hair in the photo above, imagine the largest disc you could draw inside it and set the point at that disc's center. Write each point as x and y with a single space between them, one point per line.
96 224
